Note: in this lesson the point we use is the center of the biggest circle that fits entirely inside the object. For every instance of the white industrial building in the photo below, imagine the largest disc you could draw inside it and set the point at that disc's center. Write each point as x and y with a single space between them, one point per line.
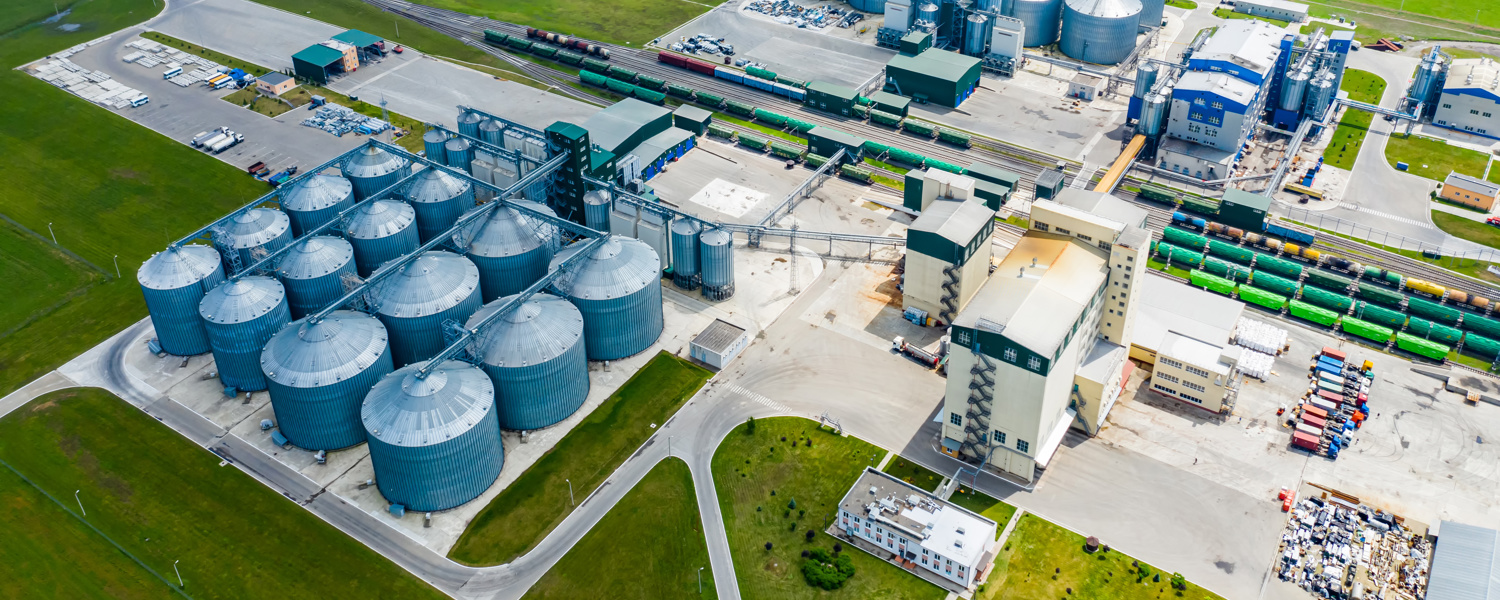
1283 10
917 527
1216 104
1471 100
718 344
1184 333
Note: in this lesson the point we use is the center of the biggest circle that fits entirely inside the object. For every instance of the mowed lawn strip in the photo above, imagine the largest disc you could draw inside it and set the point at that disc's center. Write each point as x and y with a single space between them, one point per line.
51 277
1469 229
650 546
913 473
531 507
615 22
1433 158
164 499
1349 137
748 467
987 507
1043 560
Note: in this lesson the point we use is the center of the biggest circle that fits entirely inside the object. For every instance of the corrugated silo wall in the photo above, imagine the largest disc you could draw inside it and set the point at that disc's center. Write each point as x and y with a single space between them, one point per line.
1095 39
540 395
420 338
237 347
327 417
440 476
624 326
369 254
174 315
506 275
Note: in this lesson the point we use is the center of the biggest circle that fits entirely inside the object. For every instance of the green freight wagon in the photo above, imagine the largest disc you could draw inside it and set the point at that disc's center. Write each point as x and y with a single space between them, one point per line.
1416 345
1393 278
597 66
919 128
884 118
1158 196
1428 330
796 83
1262 297
761 73
592 78
1211 282
621 87
1426 308
859 173
1481 345
767 116
544 50
754 141
1180 255
651 96
518 43
1275 283
1324 279
861 112
1184 238
862 101
800 126
1266 262
787 150
680 91
495 37
1230 251
956 138
710 100
718 130
1375 293
816 161
910 158
652 83
625 75
1226 269
933 163
1327 299
1483 325
571 58
1366 329
1321 316
1202 206
740 108
1380 315
874 149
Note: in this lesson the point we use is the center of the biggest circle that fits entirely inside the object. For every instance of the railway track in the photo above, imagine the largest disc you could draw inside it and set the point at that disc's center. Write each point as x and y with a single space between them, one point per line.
1025 162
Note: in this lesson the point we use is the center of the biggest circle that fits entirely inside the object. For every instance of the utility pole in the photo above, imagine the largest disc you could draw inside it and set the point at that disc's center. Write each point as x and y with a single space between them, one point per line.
80 503
117 266
398 26
570 492
700 581
54 235
180 584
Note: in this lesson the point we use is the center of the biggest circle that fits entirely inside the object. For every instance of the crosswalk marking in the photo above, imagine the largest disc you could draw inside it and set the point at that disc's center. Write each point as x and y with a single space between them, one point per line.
1392 217
769 403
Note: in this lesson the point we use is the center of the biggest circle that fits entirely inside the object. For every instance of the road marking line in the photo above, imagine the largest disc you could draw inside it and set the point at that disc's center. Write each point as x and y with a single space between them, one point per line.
1394 217
769 403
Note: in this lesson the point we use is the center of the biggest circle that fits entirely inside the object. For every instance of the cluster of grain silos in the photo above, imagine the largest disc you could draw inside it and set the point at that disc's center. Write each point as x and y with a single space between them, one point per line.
685 250
372 168
536 357
618 290
319 373
315 200
414 303
240 317
173 282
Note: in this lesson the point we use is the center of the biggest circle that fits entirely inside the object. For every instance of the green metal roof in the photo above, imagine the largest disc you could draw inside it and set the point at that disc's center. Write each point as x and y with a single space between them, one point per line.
889 99
829 133
568 130
693 113
358 38
832 89
915 37
318 54
624 124
1247 199
940 64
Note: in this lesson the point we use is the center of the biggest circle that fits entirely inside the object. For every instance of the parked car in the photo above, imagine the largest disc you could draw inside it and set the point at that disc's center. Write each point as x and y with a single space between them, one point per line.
1493 221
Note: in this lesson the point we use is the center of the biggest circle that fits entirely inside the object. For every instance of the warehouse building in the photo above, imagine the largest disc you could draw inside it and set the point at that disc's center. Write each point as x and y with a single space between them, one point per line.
275 84
917 527
1465 563
937 76
1281 10
1215 105
692 118
1469 191
662 148
831 98
718 344
826 141
1471 98
1050 328
891 103
622 126
1184 334
367 47
320 63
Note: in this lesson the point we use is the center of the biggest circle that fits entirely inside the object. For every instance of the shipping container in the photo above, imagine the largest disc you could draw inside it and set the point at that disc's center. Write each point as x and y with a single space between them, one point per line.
1332 378
1326 368
1314 420
1309 409
1304 441
1335 354
1329 387
1307 429
1332 398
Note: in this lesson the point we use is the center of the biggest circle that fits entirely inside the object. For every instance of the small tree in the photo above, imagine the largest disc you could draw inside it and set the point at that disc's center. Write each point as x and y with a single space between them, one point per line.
749 425
827 571
837 547
810 534
1178 581
768 546
792 505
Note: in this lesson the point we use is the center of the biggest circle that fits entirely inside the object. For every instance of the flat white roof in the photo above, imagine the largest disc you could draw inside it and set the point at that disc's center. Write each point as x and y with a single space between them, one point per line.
1477 73
1197 151
1219 84
1297 7
939 526
1193 351
1245 42
1035 304
1164 305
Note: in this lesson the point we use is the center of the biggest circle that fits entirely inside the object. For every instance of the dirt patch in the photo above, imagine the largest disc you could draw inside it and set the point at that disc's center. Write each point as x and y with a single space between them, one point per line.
48 405
887 293
123 173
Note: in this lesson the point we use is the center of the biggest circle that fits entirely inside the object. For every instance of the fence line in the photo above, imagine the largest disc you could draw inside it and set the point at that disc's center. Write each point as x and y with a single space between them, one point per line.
1365 233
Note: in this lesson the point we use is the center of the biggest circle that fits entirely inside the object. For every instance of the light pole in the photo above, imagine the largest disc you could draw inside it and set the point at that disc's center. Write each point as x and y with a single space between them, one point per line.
117 266
700 581
80 503
180 584
54 234
570 492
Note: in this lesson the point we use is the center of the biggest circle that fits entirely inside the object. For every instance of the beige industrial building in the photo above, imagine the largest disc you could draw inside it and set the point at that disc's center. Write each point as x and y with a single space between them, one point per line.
1469 191
948 254
1184 334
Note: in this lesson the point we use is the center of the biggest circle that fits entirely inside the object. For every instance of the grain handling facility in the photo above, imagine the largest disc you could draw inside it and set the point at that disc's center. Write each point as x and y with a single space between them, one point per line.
937 76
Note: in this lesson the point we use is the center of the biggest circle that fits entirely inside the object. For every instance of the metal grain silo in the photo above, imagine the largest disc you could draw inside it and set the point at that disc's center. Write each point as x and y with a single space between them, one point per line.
509 249
1154 114
618 290
439 200
241 316
434 441
489 132
372 169
1293 88
251 235
685 253
173 282
1151 11
976 34
1100 31
468 123
316 200
313 272
1320 93
1426 82
596 210
1145 79
319 374
1042 19
927 12
432 146
460 154
536 357
437 286
381 231
716 261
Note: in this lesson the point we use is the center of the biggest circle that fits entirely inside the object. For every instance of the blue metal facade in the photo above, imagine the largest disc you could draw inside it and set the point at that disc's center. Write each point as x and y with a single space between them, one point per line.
436 287
315 201
537 359
313 273
508 249
618 290
380 231
241 316
173 283
439 199
716 254
468 123
372 169
319 374
434 442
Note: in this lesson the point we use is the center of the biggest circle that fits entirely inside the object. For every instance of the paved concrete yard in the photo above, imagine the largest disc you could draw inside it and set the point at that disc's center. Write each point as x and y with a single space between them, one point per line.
260 34
1032 112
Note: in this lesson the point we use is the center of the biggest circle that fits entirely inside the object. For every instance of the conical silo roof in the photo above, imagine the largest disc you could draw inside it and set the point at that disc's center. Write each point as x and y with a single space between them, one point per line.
407 411
316 193
540 329
1108 9
429 284
254 227
436 185
241 301
311 355
315 257
372 161
178 267
379 219
434 136
505 231
618 267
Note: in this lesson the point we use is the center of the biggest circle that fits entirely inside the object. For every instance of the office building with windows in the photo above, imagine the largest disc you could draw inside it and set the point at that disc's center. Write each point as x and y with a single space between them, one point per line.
917 528
1471 98
1217 102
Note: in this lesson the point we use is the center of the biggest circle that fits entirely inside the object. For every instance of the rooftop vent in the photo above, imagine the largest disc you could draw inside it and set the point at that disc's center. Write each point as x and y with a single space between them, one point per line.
873 489
960 531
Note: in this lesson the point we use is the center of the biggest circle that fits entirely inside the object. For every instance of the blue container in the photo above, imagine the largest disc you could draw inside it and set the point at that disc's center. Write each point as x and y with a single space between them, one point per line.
1401 166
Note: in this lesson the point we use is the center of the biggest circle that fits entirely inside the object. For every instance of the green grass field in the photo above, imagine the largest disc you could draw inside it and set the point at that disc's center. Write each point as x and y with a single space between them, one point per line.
162 499
1228 13
1170 269
632 22
1421 19
1188 4
517 519
988 507
108 187
749 467
1349 137
649 546
1469 229
1042 560
913 473
1433 158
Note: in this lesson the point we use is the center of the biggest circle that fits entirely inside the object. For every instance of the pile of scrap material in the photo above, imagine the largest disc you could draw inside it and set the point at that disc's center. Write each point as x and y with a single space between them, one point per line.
339 120
1337 549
